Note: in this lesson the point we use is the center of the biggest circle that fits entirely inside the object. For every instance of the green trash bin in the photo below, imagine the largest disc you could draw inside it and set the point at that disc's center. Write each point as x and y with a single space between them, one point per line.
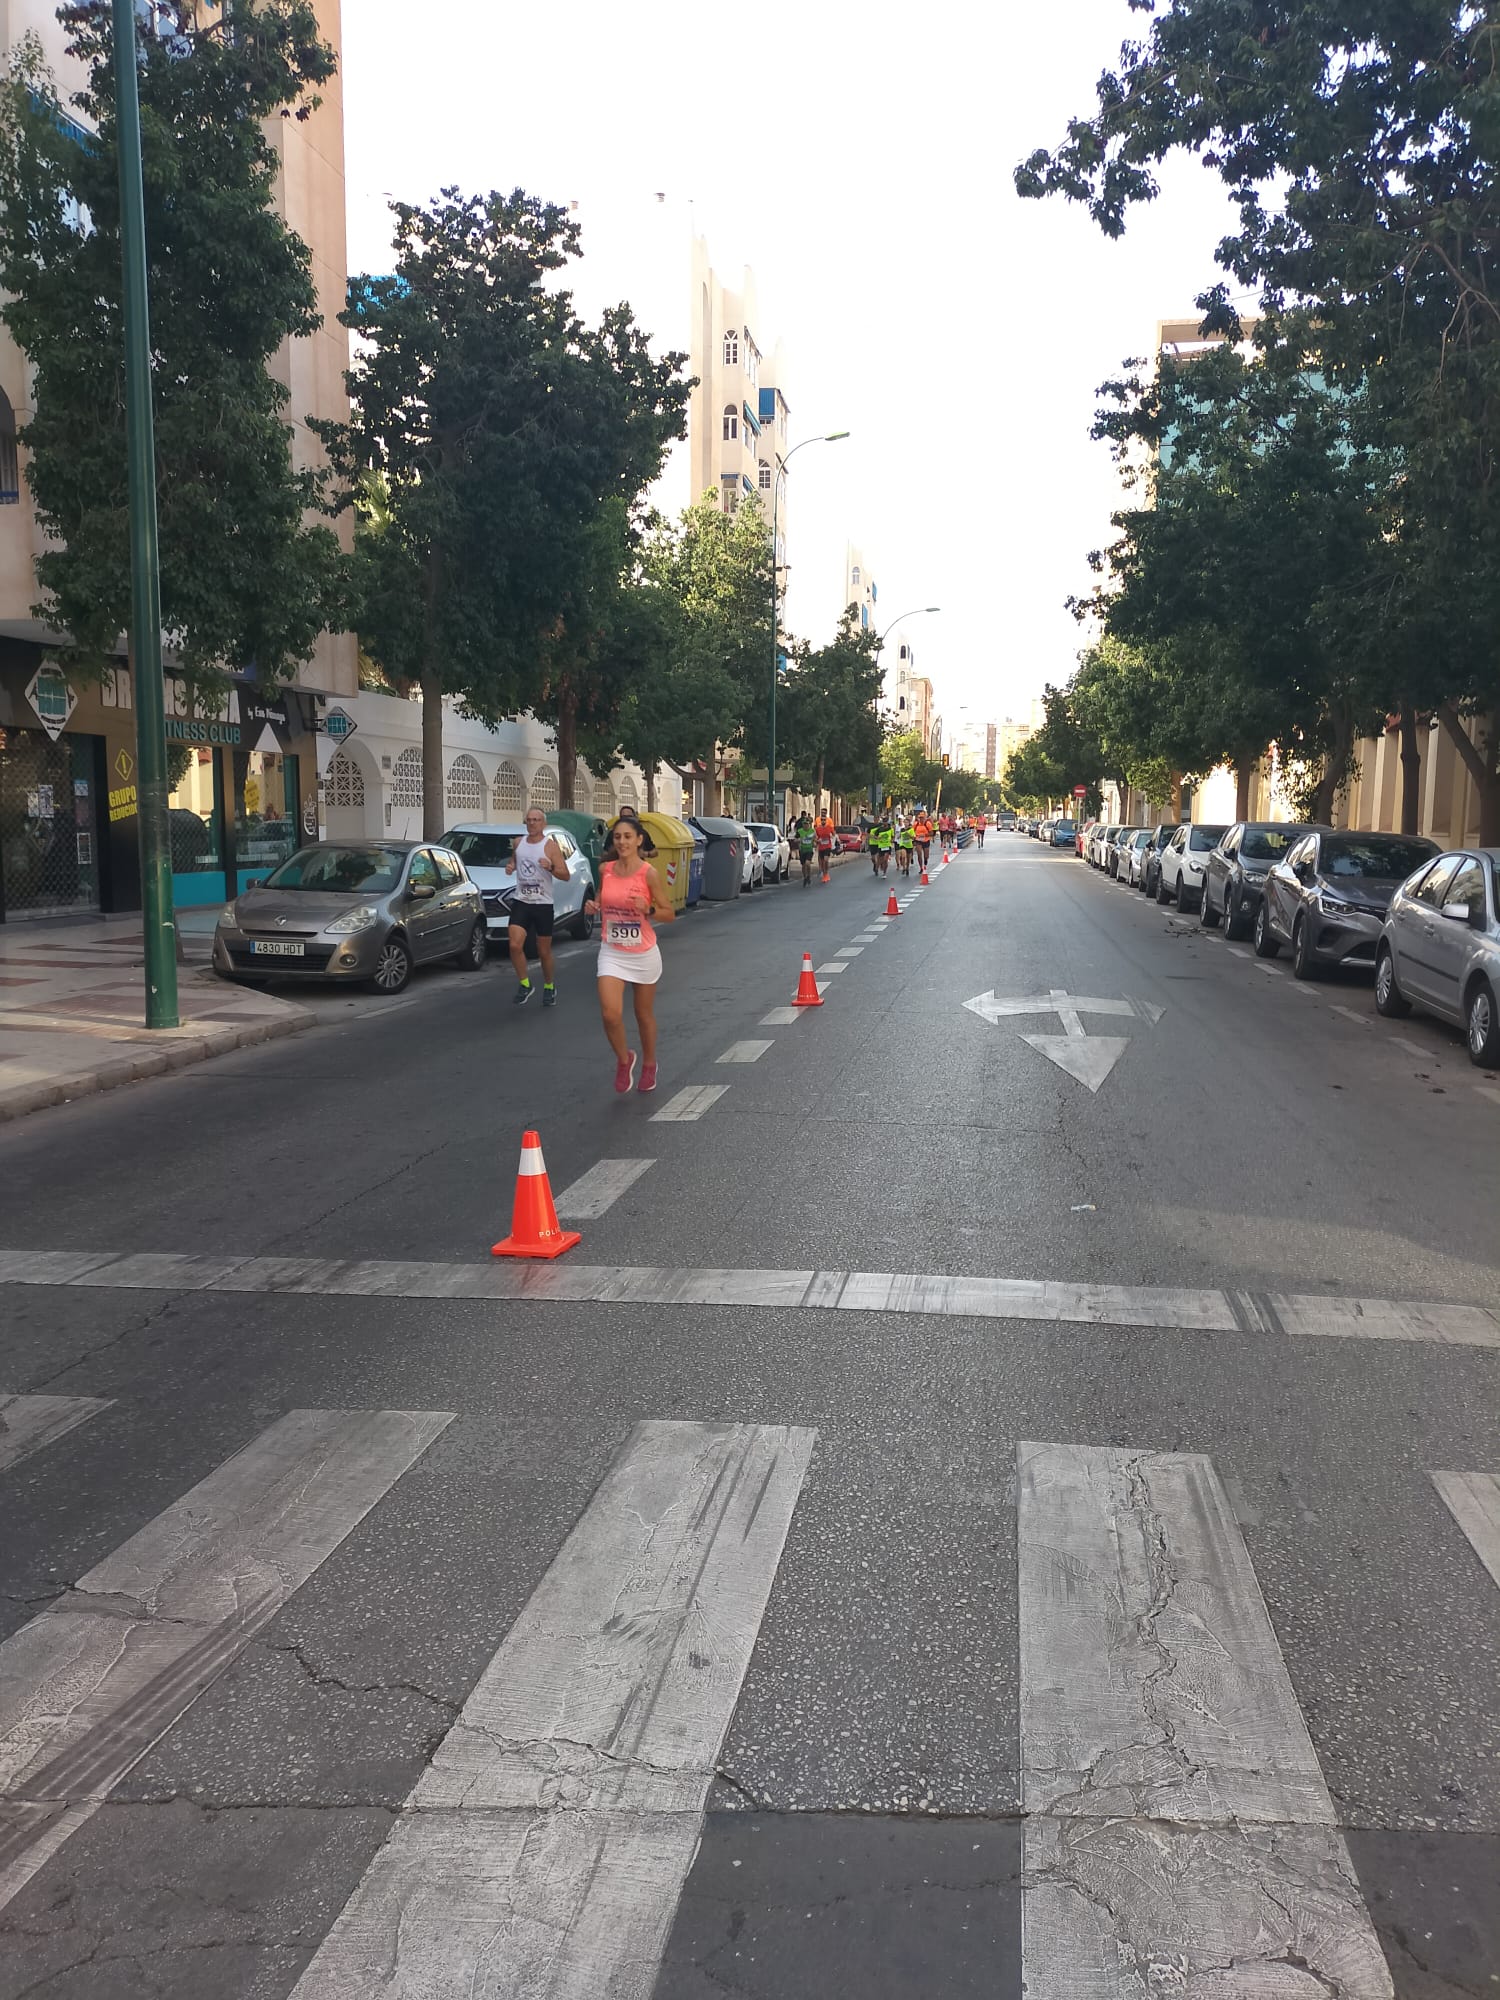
673 858
589 831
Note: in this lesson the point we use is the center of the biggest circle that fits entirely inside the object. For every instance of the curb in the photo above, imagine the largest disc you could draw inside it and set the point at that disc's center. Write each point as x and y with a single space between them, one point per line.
195 1046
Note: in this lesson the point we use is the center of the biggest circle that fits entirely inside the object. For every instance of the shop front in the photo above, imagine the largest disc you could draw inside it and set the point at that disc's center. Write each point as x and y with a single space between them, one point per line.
244 789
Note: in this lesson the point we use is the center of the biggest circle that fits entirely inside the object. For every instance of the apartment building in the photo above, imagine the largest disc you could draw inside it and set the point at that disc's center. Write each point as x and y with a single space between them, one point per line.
738 416
248 784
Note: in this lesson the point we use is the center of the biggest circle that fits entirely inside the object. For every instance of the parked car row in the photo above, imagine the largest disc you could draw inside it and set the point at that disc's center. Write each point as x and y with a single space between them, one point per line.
1425 923
1050 832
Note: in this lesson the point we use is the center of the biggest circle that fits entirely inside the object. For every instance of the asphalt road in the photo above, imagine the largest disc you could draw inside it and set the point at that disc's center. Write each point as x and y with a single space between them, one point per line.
861 1703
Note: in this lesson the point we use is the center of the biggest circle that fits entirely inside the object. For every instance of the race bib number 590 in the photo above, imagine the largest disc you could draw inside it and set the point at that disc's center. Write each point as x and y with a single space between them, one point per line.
624 932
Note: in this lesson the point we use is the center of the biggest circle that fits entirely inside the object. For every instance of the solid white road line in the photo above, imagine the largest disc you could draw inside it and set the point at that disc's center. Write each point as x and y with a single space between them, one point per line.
1280 1315
1179 1829
1473 1499
782 1017
745 1052
593 1193
689 1104
545 1848
28 1423
91 1683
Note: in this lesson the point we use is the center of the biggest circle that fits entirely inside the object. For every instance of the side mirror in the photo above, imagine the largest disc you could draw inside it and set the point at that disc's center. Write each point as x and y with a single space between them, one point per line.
1459 912
421 892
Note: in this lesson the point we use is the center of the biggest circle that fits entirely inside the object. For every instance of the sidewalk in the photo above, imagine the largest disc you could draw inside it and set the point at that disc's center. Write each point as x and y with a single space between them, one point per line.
72 1005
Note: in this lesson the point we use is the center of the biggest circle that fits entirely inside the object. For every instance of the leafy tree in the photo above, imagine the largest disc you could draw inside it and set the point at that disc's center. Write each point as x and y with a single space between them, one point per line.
245 579
513 442
1032 779
704 587
832 726
1358 148
905 767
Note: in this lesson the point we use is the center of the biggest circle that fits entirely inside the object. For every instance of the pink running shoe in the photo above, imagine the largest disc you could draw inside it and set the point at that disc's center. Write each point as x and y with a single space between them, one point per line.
624 1071
648 1076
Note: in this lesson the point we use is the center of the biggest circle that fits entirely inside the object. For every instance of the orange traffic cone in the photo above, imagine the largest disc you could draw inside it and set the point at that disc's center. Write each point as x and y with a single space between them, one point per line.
892 907
534 1230
807 994
947 856
925 883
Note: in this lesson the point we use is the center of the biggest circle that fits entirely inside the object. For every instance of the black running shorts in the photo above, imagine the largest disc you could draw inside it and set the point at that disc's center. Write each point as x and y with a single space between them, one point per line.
533 918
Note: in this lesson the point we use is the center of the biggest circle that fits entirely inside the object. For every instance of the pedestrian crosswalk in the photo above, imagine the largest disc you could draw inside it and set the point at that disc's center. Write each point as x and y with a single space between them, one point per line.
1178 1832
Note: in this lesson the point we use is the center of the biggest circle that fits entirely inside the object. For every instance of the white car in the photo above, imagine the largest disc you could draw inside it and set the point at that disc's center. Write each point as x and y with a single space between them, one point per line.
752 861
1133 860
1183 861
775 849
484 851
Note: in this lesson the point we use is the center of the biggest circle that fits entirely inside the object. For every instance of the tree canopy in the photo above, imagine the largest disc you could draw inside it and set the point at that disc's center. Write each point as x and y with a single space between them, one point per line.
246 578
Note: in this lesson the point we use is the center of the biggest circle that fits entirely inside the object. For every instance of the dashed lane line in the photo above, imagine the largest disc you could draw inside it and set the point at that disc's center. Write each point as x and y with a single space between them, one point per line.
597 1191
782 1017
833 965
1279 1315
745 1052
689 1104
850 951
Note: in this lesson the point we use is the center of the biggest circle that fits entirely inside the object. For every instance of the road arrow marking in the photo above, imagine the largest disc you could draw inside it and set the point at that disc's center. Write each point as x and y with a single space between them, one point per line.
992 1007
1088 1058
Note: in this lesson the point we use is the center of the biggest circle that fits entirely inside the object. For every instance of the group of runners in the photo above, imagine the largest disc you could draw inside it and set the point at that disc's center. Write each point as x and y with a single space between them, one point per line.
631 900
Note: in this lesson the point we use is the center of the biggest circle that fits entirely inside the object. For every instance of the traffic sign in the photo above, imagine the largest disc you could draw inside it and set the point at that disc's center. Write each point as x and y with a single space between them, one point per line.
1080 791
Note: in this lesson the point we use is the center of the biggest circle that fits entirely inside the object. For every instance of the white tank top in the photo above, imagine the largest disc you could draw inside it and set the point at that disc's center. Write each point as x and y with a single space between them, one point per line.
533 878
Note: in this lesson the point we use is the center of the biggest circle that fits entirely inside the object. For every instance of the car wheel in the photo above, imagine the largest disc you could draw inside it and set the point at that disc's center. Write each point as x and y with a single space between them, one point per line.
476 948
1208 916
1304 965
1234 915
1266 943
1185 901
392 965
1163 893
1388 998
581 927
1482 1025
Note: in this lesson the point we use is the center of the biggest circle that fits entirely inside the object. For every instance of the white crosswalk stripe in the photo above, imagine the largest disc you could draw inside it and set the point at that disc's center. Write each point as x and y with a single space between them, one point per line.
1473 1499
545 1848
89 1685
597 1191
27 1423
1177 1824
689 1104
745 1052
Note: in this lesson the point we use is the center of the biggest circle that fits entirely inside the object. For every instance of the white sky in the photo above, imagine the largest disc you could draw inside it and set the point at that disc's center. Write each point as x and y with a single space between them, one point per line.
860 161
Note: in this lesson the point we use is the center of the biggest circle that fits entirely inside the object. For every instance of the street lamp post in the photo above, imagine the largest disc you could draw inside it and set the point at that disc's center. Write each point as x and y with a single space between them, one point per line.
145 576
921 611
830 437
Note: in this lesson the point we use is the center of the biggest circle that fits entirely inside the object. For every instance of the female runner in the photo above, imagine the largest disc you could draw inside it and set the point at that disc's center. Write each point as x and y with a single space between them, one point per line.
630 895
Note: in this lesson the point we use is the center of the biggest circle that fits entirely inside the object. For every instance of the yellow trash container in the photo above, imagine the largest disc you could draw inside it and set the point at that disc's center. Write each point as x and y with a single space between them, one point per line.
673 857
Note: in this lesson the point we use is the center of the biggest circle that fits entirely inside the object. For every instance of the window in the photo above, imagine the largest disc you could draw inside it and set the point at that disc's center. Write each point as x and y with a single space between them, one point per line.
629 796
544 792
731 353
481 850
406 779
1467 889
1433 887
423 871
731 423
604 798
448 869
465 786
10 469
731 498
854 580
765 477
344 784
561 842
752 359
510 792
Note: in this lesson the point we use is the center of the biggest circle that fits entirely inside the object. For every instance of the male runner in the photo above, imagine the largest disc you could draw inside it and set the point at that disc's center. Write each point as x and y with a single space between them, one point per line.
905 841
823 839
805 840
536 862
884 840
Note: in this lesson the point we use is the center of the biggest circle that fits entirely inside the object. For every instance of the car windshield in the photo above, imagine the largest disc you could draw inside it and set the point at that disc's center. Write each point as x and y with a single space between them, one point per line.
1203 837
762 833
1063 826
1385 859
1267 843
481 850
351 871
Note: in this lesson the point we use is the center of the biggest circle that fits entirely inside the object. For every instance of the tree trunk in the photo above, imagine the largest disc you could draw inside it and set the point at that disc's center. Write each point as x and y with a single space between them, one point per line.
1482 766
433 796
1176 807
818 787
567 745
1334 768
1244 771
1411 772
651 788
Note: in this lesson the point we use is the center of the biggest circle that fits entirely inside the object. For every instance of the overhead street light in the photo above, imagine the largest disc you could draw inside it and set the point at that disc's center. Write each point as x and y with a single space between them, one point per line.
828 437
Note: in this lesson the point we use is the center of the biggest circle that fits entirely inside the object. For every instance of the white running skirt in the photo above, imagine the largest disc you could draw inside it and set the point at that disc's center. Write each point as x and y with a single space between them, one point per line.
636 968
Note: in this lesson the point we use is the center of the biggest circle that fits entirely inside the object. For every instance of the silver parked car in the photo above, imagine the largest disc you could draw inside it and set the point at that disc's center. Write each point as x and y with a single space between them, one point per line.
484 851
1440 948
1328 894
360 910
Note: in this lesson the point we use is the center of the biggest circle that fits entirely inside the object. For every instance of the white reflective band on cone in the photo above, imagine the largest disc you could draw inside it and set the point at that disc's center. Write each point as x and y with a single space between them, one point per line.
531 1162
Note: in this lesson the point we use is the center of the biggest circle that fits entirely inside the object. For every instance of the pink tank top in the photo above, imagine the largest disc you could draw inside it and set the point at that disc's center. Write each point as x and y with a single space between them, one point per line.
625 909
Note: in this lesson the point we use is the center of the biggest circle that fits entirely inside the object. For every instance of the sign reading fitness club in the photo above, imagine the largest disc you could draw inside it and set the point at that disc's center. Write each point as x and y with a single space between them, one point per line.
240 720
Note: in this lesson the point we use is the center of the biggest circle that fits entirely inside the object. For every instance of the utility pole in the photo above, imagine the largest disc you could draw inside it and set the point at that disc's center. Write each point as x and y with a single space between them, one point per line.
158 926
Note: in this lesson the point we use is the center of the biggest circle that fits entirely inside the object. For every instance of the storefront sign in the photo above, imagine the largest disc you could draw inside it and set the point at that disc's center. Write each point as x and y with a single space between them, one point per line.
181 730
122 799
52 698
